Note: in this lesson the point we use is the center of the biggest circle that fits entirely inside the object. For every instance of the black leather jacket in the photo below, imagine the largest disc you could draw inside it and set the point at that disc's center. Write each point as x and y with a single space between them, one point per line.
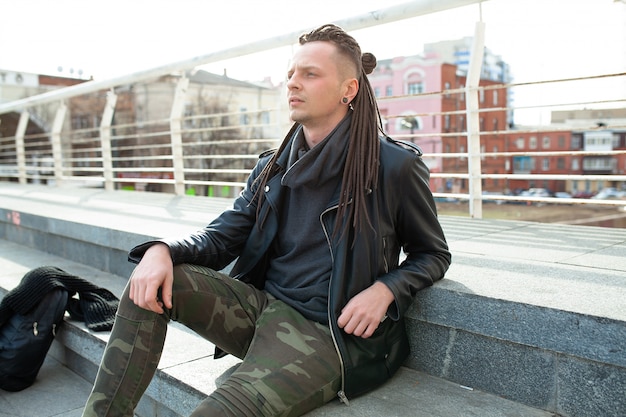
403 215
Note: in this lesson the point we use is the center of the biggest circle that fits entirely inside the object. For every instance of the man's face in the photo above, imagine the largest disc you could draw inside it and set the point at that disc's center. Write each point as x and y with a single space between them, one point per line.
315 86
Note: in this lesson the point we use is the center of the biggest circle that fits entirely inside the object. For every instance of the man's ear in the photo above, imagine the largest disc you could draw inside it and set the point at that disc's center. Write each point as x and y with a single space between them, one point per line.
351 86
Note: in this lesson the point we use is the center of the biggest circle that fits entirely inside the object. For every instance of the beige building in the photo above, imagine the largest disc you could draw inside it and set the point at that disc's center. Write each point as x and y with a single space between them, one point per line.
219 116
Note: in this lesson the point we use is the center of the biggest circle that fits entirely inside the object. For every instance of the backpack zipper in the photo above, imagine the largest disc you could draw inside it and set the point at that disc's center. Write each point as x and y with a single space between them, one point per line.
36 331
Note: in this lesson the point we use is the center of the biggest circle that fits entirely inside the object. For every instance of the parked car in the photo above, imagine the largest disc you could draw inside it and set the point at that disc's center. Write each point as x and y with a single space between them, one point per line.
609 193
582 194
562 194
535 192
539 192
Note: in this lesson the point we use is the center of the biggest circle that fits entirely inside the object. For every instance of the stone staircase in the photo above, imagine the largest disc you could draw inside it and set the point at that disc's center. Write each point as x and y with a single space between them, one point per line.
530 320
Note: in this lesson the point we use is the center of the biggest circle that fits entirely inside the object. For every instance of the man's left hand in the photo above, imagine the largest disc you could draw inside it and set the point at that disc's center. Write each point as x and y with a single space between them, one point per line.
364 312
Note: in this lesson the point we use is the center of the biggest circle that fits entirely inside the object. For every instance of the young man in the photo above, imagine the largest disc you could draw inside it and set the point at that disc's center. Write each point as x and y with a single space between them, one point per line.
316 301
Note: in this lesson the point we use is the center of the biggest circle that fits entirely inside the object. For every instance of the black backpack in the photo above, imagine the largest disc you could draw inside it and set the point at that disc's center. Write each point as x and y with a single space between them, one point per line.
26 339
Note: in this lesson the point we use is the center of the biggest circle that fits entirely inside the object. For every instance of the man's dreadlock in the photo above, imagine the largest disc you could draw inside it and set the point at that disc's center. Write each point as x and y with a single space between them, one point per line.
360 173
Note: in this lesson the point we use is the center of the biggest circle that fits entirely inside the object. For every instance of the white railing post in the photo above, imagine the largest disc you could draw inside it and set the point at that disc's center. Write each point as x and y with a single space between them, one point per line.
105 140
20 151
176 127
57 148
473 122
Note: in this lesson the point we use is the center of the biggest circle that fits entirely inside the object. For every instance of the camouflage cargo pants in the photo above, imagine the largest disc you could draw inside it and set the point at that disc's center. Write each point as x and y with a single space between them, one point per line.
289 364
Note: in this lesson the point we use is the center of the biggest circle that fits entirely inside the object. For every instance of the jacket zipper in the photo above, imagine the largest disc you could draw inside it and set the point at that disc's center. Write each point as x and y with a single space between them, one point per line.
341 394
385 256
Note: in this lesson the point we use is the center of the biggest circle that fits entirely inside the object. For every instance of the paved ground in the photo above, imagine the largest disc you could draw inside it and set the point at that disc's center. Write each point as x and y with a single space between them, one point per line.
58 392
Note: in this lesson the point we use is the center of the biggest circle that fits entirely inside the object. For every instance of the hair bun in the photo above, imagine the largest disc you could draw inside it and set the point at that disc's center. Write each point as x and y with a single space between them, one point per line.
368 61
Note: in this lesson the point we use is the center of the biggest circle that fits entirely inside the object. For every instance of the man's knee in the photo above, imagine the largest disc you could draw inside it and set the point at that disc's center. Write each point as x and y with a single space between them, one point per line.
232 400
189 277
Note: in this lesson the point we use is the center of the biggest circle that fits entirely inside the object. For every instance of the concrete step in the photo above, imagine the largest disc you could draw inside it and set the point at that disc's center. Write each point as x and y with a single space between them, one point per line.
529 312
187 371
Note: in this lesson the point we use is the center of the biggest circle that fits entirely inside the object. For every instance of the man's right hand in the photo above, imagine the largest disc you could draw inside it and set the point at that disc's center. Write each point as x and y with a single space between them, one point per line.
154 271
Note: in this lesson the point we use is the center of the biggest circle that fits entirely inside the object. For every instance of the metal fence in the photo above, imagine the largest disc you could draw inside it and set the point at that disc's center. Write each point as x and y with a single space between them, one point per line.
187 149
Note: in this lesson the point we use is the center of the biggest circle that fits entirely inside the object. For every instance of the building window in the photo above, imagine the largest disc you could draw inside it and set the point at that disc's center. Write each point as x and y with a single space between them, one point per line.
546 142
495 97
532 143
414 82
561 142
519 143
81 121
446 86
389 91
446 121
415 88
495 124
575 164
560 163
545 164
244 118
376 92
598 140
598 164
481 95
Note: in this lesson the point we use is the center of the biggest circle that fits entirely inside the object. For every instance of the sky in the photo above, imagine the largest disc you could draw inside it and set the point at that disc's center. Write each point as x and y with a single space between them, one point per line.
539 39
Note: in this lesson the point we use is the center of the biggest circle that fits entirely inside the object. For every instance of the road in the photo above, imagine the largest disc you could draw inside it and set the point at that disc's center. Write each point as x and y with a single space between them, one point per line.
549 213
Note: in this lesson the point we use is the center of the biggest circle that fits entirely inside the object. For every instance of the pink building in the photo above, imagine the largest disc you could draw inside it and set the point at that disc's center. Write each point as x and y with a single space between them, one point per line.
417 105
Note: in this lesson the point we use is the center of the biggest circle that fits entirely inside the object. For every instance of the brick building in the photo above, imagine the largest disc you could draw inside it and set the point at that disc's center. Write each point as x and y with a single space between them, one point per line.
555 144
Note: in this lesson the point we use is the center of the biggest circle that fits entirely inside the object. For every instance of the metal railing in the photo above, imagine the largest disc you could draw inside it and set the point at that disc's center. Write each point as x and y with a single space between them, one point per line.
603 180
212 152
